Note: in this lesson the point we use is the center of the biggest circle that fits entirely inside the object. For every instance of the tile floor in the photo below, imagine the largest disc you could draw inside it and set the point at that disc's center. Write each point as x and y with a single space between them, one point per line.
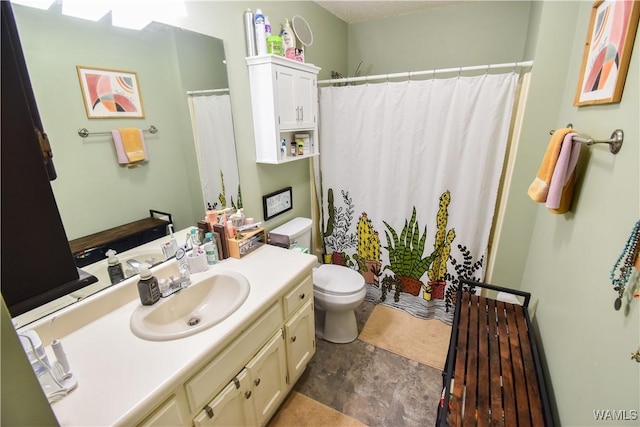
372 385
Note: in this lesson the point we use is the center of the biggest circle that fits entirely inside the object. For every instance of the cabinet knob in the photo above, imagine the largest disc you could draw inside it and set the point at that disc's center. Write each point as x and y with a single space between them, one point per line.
293 338
257 382
301 113
302 296
247 394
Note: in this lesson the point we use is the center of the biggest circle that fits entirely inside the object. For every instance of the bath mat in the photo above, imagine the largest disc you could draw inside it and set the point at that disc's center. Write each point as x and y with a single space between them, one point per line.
299 410
425 341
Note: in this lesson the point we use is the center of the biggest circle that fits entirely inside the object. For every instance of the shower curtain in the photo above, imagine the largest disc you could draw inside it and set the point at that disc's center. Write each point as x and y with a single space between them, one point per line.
409 178
216 150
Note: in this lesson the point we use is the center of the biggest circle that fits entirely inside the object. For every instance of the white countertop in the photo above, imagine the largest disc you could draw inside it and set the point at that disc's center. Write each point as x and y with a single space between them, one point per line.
122 377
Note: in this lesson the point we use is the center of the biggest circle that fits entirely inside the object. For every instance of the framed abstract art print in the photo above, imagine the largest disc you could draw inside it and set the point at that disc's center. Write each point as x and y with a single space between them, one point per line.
607 52
110 93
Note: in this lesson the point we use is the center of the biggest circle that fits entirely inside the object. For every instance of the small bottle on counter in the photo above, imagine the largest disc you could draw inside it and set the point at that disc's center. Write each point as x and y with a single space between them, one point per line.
211 248
116 273
148 286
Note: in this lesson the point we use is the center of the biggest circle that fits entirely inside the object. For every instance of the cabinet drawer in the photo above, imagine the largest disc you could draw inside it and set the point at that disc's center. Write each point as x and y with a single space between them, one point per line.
298 296
210 380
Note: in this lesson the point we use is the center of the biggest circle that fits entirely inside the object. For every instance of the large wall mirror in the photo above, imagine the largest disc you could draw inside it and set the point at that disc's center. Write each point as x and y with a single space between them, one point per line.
182 76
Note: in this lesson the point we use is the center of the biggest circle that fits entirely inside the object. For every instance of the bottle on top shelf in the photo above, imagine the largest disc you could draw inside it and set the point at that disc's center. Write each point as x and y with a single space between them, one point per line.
261 36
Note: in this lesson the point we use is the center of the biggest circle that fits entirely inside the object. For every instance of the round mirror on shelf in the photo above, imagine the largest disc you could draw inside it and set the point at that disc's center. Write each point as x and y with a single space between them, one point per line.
302 30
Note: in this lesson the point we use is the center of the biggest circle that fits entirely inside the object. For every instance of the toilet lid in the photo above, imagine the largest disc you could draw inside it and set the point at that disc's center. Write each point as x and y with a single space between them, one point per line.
337 279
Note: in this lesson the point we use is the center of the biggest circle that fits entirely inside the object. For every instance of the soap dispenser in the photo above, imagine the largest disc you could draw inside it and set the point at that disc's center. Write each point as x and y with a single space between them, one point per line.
116 273
148 286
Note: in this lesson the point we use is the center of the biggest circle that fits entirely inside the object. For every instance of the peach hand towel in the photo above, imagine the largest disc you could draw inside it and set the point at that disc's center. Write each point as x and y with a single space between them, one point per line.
564 176
539 188
125 153
132 141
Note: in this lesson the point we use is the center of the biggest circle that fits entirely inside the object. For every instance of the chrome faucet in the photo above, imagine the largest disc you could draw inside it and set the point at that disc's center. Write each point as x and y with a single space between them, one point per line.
134 263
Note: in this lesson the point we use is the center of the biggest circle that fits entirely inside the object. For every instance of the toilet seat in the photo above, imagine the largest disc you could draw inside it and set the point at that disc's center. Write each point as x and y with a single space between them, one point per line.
338 280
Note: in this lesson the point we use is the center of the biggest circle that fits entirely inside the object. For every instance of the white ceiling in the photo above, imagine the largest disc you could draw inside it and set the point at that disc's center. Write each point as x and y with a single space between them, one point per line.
353 11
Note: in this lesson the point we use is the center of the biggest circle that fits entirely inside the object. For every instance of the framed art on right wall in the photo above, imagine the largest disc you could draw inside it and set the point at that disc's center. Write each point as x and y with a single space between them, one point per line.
607 52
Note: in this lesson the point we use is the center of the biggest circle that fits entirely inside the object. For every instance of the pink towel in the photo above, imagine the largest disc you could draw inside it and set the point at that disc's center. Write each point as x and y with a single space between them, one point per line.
120 151
561 184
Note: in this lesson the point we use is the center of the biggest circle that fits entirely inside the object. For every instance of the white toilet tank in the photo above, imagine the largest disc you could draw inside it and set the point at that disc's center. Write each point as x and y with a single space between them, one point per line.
298 230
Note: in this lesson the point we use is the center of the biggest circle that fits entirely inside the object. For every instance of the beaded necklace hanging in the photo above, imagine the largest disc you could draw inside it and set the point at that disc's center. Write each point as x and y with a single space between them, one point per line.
625 268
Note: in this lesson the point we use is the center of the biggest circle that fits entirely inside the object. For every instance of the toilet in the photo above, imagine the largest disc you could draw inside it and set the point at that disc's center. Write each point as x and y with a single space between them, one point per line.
337 290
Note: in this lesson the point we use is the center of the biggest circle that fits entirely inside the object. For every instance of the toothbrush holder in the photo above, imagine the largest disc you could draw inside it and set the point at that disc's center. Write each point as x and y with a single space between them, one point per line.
197 262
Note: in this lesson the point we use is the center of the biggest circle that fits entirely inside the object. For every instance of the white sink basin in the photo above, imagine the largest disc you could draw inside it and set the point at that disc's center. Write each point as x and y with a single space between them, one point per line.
191 310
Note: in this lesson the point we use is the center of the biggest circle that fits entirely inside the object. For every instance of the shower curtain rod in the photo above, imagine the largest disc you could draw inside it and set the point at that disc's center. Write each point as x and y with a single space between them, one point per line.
410 74
205 92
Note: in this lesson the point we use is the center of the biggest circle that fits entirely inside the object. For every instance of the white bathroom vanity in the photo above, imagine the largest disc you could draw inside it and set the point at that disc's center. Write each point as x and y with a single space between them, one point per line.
236 372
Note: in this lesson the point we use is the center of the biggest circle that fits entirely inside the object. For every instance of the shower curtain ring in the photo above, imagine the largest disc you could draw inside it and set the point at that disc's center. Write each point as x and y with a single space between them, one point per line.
459 71
515 65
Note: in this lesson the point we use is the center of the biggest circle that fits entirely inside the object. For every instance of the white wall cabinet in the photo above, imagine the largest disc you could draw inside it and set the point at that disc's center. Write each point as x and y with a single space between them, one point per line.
284 100
246 382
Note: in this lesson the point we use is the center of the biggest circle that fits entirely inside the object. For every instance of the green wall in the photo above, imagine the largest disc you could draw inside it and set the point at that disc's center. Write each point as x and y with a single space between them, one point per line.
23 402
586 343
474 33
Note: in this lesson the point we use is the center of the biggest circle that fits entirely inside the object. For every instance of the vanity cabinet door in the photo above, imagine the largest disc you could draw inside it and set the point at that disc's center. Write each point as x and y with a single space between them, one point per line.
233 406
268 373
301 340
168 414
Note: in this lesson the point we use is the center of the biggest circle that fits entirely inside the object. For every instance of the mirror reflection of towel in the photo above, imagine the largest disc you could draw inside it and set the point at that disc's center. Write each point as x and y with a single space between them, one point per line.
130 145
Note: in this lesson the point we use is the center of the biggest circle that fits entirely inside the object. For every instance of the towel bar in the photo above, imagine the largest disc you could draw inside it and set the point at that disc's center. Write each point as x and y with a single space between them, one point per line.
615 142
85 133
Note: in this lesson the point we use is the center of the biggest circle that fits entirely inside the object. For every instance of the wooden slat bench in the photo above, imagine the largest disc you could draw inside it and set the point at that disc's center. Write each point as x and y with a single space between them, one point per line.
493 374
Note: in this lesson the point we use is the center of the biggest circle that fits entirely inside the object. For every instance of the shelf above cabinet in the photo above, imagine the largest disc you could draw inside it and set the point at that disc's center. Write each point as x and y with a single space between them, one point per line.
281 60
287 159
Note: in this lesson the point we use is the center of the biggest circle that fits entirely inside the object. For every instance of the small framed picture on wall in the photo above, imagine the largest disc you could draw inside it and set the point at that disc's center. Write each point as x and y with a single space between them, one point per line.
277 203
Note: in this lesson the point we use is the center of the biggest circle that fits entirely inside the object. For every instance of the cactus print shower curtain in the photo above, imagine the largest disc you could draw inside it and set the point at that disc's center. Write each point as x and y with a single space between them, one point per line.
410 174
